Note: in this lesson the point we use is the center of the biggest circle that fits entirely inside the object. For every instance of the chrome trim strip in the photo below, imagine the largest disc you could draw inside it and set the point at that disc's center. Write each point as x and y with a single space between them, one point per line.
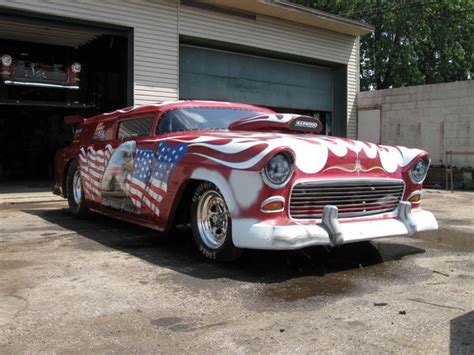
27 83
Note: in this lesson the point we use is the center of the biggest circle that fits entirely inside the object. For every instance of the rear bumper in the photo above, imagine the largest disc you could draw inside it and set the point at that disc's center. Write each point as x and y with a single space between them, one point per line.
253 234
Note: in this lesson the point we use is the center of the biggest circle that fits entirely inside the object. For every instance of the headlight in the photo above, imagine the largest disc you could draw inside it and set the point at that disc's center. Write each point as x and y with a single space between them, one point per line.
7 60
278 171
419 170
76 68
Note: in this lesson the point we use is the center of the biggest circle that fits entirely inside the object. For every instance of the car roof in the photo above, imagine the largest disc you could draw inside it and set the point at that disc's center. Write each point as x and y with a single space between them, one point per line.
162 106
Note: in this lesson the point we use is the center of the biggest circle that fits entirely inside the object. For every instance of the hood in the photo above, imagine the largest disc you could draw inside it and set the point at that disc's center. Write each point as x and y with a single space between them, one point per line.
278 123
312 154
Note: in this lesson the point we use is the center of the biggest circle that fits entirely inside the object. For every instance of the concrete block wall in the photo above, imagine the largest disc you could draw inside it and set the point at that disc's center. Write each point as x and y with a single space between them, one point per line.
436 118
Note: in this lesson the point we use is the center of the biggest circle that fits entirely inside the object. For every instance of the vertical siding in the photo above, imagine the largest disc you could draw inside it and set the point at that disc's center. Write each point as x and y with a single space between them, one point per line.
281 36
352 89
155 36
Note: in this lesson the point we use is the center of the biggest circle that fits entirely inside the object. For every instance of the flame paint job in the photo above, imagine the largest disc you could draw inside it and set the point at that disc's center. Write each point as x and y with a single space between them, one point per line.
231 159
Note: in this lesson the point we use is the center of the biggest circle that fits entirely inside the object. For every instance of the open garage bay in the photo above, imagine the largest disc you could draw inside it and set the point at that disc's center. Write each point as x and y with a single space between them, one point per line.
99 285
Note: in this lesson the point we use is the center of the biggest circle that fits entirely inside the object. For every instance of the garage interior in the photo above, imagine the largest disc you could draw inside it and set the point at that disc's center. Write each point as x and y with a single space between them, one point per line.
31 116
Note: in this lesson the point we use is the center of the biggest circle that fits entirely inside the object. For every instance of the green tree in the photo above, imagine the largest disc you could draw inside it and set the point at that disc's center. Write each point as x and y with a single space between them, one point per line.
414 41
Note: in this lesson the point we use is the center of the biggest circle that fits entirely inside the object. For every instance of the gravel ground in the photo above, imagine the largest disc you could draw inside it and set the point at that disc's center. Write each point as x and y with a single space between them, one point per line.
100 285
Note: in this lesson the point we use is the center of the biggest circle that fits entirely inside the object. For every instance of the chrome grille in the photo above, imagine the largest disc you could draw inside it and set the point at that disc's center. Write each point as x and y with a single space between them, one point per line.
352 198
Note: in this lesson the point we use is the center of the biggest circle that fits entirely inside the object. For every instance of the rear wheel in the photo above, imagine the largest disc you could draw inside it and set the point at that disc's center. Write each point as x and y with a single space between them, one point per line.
212 225
75 192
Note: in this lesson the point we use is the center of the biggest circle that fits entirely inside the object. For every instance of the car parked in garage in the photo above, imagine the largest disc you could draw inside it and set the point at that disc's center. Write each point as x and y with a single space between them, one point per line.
243 176
21 70
27 78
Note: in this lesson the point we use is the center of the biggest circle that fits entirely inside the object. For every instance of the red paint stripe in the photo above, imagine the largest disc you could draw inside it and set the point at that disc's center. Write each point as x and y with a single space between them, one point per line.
154 202
155 188
136 186
242 156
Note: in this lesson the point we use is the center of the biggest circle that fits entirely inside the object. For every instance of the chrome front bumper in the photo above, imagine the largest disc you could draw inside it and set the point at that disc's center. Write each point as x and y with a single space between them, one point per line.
253 234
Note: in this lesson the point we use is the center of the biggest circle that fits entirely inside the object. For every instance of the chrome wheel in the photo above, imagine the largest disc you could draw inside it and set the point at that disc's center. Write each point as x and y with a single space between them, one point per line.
77 187
212 219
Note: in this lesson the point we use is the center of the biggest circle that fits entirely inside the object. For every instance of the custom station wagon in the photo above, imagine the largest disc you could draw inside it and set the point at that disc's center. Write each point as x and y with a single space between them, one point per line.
242 176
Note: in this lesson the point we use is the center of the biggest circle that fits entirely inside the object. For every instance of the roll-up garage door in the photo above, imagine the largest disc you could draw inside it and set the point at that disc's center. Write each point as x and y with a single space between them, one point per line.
220 75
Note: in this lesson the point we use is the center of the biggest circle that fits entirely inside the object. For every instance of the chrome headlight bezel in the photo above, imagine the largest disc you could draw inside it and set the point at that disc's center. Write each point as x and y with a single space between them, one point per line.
76 67
267 174
7 60
415 176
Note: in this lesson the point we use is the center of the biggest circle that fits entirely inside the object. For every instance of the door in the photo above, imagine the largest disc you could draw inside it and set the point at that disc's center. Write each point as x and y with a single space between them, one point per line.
219 75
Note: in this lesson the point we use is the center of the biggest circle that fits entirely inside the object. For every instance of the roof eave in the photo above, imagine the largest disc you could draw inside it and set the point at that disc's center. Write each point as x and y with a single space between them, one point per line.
295 13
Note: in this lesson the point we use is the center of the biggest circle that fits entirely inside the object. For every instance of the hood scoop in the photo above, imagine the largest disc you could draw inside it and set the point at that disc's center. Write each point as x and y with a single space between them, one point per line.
278 123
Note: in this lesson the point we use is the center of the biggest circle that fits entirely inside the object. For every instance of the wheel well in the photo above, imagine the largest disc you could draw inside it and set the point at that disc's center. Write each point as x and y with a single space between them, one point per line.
183 208
64 177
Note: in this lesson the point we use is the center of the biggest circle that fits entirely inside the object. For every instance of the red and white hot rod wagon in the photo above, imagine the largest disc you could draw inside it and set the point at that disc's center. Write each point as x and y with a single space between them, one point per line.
242 176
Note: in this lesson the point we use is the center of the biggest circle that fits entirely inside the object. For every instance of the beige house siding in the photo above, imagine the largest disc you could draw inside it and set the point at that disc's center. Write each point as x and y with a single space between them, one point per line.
281 36
352 89
155 37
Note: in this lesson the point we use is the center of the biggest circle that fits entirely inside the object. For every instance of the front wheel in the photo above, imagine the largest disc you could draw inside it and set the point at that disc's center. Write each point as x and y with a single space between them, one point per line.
212 225
75 193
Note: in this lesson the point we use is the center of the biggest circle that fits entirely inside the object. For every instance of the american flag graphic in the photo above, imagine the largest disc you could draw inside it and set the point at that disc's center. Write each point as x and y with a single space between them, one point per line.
142 168
92 164
165 160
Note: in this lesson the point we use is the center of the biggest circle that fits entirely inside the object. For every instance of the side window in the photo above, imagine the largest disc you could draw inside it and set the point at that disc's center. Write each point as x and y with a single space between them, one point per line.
139 127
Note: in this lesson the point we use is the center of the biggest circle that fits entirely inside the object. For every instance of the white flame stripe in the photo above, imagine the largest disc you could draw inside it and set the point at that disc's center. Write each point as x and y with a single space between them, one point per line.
237 165
136 107
391 158
229 148
160 104
285 118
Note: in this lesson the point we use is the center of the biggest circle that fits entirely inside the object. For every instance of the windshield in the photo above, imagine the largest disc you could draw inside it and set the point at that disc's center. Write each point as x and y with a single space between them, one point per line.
199 118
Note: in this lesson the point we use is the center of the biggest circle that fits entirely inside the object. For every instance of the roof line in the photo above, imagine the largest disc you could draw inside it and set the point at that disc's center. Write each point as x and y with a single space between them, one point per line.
311 11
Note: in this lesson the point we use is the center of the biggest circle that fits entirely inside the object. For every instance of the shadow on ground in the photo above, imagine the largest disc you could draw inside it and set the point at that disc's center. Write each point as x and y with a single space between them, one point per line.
26 186
461 338
177 251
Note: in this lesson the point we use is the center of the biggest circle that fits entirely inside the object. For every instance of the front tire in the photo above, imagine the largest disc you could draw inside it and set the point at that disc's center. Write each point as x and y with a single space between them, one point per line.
212 225
75 192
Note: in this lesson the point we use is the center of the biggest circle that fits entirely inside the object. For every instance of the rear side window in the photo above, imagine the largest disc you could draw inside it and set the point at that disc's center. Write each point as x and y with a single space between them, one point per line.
139 127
